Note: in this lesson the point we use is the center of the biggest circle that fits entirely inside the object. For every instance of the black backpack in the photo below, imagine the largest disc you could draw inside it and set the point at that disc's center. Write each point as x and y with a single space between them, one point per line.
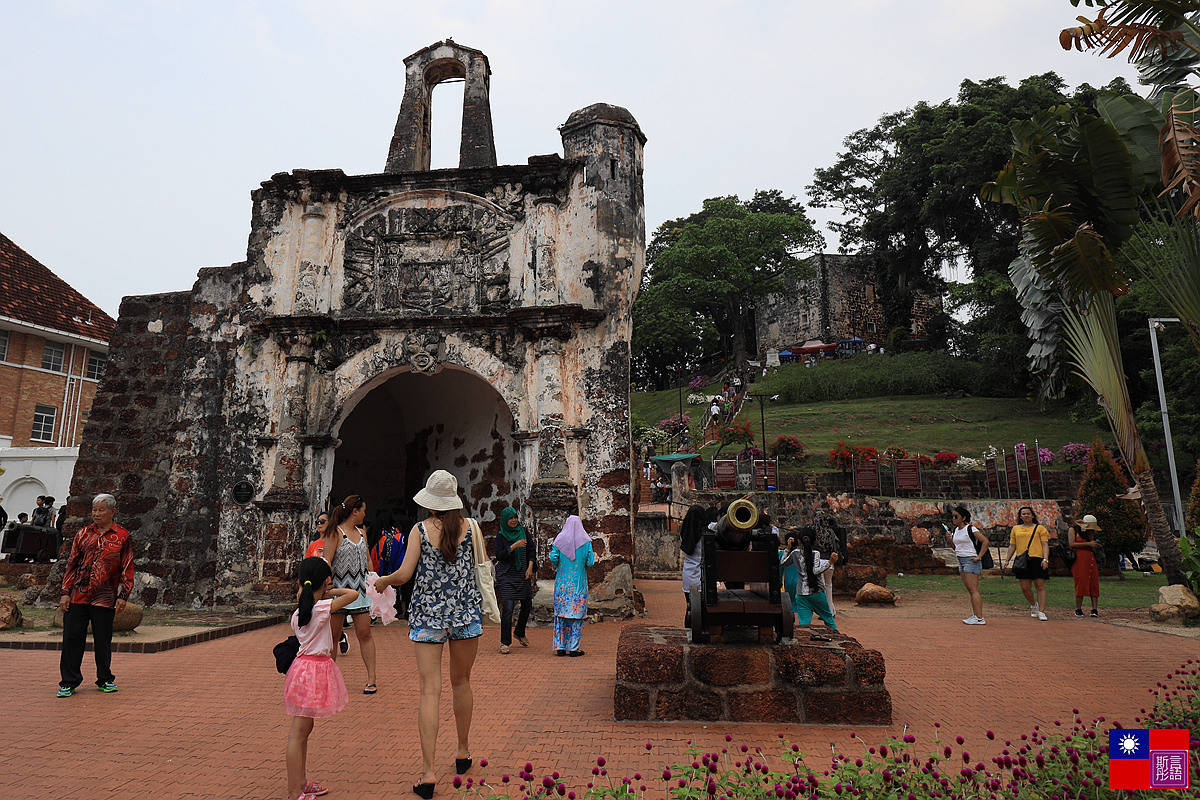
987 562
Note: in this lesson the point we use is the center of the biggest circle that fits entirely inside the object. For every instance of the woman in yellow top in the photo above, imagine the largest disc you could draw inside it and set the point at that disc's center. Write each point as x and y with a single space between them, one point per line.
1029 537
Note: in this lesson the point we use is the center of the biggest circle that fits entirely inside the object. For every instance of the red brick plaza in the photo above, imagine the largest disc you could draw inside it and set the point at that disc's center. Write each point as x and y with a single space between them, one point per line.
207 720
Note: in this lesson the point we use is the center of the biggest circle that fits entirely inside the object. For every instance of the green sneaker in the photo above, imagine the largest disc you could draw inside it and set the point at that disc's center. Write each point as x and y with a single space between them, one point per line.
108 687
65 691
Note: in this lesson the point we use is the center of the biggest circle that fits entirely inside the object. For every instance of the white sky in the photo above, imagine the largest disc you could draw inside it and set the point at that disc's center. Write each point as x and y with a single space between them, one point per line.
132 132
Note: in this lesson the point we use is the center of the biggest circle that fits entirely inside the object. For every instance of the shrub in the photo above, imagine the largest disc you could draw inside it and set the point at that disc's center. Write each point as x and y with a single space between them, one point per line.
966 462
1121 527
749 453
844 379
698 399
1191 514
698 382
788 447
945 460
1046 456
675 424
894 453
925 461
1075 454
844 456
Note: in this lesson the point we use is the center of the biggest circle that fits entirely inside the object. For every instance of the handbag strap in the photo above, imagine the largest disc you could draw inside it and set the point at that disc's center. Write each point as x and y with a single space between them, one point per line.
477 541
1029 544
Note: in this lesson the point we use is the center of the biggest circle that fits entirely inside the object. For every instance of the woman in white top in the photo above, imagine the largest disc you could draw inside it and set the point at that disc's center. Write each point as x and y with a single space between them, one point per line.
345 548
969 562
691 533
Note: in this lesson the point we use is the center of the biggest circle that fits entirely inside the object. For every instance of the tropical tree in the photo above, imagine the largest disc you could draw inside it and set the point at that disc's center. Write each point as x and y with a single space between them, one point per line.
1100 493
1075 185
706 272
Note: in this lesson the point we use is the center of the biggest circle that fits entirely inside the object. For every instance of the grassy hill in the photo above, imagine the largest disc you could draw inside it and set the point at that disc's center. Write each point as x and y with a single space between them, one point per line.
918 423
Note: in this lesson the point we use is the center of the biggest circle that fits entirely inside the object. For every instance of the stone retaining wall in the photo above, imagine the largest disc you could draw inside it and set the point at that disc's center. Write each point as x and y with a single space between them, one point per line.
662 677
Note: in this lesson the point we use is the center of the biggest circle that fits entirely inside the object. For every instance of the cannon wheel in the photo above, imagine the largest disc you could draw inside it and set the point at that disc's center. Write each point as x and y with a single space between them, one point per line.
699 618
786 627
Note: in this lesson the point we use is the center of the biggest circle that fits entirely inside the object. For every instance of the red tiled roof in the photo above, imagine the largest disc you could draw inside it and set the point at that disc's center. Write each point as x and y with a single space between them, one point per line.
31 293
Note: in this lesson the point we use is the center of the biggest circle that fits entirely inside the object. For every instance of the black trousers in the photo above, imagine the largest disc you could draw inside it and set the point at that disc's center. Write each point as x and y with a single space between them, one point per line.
75 626
506 618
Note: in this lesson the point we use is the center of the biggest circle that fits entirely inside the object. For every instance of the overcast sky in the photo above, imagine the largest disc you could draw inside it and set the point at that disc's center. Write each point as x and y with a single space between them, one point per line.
132 132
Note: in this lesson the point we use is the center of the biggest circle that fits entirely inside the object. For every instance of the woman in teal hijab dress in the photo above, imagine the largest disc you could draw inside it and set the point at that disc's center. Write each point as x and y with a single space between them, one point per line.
571 554
516 564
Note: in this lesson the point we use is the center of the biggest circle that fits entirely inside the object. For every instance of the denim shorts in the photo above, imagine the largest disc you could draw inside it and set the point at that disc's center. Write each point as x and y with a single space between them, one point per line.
438 635
965 564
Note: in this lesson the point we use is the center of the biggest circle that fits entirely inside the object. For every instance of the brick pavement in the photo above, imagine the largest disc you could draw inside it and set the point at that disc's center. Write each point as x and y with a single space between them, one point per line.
207 720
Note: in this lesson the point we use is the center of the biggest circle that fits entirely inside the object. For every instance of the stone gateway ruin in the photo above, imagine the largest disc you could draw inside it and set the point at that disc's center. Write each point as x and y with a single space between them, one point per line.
382 326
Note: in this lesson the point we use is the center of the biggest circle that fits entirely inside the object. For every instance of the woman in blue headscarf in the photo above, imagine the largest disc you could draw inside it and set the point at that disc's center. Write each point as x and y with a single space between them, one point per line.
516 564
571 554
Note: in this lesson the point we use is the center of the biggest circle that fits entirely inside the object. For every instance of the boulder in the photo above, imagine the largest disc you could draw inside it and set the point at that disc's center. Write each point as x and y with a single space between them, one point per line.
128 619
1182 598
10 614
875 595
26 580
850 578
615 595
1166 613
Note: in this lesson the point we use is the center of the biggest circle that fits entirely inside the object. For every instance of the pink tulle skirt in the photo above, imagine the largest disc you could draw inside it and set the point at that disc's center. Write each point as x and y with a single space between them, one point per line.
314 688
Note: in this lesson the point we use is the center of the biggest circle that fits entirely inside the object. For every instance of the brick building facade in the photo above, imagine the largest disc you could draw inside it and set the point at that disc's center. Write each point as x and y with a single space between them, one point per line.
839 302
53 349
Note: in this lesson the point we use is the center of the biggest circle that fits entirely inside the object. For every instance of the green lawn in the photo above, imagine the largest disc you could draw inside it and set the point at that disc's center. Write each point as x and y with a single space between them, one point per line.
1136 591
920 424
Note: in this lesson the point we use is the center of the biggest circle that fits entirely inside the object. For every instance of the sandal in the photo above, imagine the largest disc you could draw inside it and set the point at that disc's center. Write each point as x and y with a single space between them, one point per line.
504 649
461 765
314 788
370 688
524 642
423 790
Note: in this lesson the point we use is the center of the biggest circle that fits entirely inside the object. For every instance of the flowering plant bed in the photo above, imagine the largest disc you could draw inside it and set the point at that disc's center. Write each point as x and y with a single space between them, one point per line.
1055 763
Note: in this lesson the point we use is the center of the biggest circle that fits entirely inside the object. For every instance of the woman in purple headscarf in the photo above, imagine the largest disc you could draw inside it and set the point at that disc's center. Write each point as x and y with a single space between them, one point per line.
571 555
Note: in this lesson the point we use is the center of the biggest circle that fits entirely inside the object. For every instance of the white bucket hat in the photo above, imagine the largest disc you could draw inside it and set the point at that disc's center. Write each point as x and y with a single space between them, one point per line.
1090 523
440 492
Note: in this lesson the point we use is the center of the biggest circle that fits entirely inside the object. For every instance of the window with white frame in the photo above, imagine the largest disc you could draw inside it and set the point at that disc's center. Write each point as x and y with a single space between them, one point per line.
43 423
3 345
96 362
53 355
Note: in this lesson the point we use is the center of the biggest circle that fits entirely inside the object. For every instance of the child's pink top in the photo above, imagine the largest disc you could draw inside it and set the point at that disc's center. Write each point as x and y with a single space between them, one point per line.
316 638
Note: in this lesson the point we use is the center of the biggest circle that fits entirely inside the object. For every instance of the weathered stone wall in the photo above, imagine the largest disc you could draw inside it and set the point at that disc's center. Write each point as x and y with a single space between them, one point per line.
382 326
839 302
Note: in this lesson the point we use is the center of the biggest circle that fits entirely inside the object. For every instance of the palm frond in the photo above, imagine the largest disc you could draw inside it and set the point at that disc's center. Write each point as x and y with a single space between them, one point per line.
1093 345
1180 153
1142 40
1166 252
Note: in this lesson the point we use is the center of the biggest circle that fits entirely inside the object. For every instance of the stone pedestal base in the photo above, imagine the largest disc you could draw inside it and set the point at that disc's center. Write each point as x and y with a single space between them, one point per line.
662 677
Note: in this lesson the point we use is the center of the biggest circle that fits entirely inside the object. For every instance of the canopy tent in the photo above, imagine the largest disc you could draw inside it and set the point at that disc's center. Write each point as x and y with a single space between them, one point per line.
815 346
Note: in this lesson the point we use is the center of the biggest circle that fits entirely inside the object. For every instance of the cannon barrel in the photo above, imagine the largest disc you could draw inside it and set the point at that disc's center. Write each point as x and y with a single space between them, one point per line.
733 529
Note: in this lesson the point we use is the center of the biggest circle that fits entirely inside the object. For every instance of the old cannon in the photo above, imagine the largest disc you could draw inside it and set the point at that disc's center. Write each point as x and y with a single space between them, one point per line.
745 558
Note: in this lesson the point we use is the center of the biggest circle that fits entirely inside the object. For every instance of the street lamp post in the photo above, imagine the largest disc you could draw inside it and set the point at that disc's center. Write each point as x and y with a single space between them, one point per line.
1155 327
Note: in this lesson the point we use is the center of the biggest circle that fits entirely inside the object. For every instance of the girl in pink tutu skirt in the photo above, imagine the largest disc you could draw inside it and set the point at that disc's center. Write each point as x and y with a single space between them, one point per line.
313 687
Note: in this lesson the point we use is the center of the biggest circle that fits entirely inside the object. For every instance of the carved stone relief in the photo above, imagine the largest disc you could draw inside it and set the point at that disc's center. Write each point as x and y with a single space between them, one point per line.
428 261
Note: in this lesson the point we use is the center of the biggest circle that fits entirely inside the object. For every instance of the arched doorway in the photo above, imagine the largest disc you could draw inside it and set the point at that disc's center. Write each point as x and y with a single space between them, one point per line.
409 424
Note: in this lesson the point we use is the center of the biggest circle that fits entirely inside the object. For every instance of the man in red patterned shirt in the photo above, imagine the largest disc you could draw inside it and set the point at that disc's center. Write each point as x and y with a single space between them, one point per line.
96 585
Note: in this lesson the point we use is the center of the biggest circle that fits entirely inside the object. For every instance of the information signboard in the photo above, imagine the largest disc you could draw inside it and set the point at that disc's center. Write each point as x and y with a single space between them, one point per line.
993 477
1011 475
725 472
866 475
908 473
1033 468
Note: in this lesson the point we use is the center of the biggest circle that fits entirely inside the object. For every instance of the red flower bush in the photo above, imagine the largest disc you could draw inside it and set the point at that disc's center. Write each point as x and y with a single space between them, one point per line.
844 456
945 460
787 447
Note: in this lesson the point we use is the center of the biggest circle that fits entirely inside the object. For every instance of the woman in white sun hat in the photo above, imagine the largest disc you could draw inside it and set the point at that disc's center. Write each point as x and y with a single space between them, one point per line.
1082 539
446 608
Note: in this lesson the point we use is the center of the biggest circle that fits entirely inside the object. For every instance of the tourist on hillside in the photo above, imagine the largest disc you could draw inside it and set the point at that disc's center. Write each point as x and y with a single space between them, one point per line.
1085 570
970 559
345 548
691 532
96 586
516 565
571 555
1032 540
446 608
809 596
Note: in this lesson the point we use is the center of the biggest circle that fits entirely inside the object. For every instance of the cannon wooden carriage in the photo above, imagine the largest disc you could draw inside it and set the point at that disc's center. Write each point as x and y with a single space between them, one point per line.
745 559
29 543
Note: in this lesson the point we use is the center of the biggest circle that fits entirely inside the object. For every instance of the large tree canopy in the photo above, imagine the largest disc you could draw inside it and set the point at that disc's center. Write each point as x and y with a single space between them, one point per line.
704 274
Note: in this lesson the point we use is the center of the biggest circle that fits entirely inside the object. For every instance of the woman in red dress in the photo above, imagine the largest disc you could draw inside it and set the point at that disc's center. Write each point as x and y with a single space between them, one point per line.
1085 570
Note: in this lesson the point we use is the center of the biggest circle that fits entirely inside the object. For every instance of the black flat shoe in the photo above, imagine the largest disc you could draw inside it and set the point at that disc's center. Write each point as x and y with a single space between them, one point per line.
461 765
560 653
575 653
423 790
